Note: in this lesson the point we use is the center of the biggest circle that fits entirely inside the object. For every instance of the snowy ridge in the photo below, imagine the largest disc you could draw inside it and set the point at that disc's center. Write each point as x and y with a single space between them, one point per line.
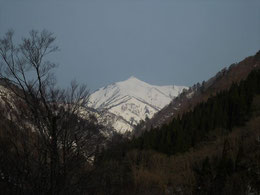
132 100
119 106
7 102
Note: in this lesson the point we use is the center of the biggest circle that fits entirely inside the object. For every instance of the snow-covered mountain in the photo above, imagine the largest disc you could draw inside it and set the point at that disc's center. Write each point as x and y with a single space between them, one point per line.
126 103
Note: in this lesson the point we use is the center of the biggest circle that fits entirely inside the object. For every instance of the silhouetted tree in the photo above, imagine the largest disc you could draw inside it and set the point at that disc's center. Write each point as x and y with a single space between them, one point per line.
61 142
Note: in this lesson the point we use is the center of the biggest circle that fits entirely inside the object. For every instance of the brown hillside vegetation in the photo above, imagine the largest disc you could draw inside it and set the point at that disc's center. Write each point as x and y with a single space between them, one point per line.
199 168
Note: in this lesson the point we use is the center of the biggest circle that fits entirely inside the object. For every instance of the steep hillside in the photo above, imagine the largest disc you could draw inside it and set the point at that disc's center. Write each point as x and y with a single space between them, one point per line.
213 149
220 113
200 92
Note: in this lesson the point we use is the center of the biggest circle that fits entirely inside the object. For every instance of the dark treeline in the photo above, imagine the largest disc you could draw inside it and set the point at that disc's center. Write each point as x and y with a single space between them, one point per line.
224 111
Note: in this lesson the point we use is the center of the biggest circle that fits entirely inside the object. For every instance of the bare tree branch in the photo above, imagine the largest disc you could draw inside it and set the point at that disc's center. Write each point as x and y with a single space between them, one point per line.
59 135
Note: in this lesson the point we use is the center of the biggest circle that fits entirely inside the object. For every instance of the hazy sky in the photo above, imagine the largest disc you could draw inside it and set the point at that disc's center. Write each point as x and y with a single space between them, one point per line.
159 41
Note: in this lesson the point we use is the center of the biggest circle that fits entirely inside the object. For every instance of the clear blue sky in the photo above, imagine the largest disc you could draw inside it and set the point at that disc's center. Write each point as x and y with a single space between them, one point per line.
159 41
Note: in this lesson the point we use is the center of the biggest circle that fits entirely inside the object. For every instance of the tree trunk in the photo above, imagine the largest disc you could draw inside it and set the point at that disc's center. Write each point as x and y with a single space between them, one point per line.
54 159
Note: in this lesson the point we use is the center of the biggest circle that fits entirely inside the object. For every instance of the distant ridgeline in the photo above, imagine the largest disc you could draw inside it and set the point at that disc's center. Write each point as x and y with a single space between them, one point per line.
220 114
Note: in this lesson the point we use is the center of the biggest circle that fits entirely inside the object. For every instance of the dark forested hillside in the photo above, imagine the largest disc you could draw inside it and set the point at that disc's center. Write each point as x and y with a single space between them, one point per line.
220 113
200 92
212 149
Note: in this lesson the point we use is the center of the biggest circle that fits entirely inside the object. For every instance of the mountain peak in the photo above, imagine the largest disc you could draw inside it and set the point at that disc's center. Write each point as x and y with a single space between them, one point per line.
132 100
132 82
133 78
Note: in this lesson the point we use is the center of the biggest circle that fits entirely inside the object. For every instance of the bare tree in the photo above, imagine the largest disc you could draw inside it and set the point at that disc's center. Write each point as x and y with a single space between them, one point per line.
62 138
